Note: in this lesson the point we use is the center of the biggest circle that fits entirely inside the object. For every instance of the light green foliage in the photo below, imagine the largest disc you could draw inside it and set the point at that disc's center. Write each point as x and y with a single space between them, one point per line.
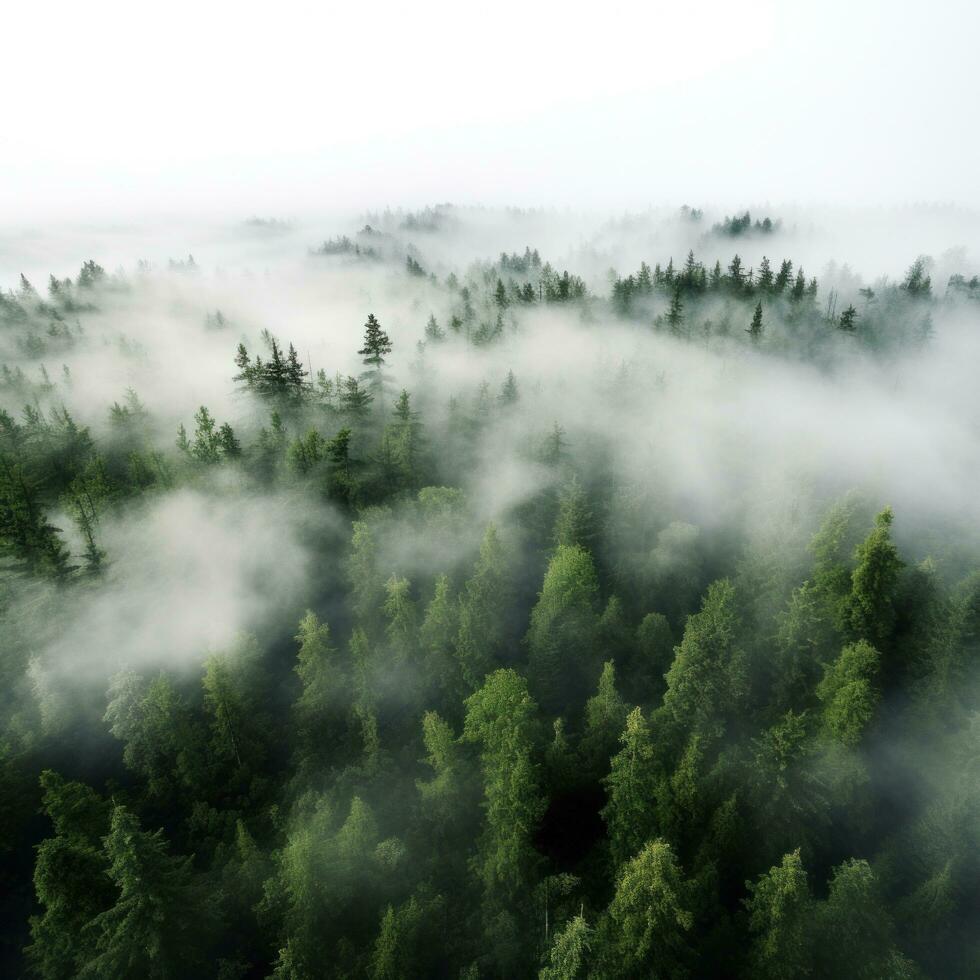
605 716
235 687
482 611
402 628
153 723
631 787
573 526
869 610
500 717
563 625
441 795
781 914
655 652
707 682
366 577
569 952
437 638
322 701
848 692
651 917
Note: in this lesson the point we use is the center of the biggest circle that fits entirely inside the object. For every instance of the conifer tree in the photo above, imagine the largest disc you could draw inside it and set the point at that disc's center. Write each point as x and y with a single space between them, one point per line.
869 610
781 921
631 790
562 656
650 917
483 611
376 345
847 320
500 719
158 925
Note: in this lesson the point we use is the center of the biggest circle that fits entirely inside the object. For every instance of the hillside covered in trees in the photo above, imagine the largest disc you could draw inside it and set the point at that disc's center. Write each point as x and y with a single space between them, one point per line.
466 594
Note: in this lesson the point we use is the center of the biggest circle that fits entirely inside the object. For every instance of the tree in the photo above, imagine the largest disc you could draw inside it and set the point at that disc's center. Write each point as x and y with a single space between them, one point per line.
783 277
848 692
707 682
847 320
569 952
437 637
206 447
234 691
70 879
159 923
483 611
766 280
781 913
736 274
675 313
500 718
354 400
319 709
755 327
25 531
562 658
376 345
869 610
161 742
631 789
855 934
650 917
407 441
573 525
508 390
433 332
605 716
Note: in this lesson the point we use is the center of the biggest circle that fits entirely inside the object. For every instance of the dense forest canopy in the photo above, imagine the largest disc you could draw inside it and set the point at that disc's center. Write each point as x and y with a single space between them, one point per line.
474 594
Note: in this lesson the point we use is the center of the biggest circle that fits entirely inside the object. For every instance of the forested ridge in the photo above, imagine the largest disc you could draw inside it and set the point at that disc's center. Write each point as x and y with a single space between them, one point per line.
568 624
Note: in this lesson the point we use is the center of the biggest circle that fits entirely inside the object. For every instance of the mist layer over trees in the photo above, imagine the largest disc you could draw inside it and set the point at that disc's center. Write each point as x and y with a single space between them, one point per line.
476 594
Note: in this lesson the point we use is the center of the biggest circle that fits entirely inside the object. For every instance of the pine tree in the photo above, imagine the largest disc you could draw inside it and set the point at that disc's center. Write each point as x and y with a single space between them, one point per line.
675 313
755 327
561 652
508 390
323 699
849 693
707 682
781 913
847 320
650 917
433 332
500 719
483 611
229 445
783 277
376 344
569 952
159 923
573 525
605 716
765 278
206 447
869 610
631 790
354 400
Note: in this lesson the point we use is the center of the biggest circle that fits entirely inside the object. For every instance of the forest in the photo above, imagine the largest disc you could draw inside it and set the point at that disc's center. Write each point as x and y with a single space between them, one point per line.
469 594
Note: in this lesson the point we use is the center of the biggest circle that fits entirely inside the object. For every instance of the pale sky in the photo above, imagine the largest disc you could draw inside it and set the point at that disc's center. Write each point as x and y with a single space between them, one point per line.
113 106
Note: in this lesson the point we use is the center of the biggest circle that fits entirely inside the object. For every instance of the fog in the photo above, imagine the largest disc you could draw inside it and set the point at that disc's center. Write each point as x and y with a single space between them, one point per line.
710 431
